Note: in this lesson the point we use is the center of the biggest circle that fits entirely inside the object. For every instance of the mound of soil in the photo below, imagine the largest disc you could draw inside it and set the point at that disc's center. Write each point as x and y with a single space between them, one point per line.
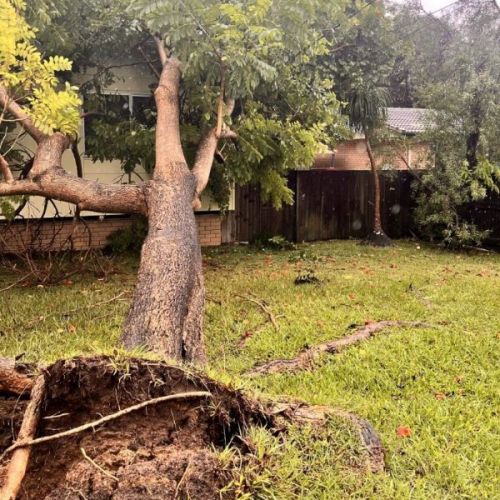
164 451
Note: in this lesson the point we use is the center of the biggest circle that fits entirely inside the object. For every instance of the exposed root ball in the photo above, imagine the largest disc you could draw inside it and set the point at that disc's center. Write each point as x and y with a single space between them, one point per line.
163 451
141 445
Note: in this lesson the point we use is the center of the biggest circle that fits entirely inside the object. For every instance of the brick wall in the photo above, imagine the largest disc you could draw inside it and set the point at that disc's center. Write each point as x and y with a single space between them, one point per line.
65 234
352 155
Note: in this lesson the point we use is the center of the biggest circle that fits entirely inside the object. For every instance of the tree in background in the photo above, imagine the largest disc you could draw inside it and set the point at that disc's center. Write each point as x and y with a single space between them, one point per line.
453 67
361 65
243 73
367 113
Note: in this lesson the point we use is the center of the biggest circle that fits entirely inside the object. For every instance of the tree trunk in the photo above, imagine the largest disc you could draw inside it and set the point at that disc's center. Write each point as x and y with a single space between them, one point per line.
167 309
166 314
377 219
377 237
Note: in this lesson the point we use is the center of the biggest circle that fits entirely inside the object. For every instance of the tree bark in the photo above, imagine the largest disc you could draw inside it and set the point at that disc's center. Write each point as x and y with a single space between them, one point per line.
377 219
167 308
377 237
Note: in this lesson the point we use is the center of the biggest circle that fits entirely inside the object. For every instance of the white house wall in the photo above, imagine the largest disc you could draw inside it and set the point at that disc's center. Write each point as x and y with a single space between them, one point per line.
133 80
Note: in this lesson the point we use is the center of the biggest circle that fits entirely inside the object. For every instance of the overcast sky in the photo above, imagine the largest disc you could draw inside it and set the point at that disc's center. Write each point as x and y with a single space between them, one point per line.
432 5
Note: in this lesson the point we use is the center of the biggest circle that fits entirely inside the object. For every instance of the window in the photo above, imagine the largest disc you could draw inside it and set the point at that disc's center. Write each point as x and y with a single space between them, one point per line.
114 109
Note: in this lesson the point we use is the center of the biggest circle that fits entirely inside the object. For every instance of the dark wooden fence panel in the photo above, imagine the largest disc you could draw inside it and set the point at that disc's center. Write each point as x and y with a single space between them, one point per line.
256 219
328 204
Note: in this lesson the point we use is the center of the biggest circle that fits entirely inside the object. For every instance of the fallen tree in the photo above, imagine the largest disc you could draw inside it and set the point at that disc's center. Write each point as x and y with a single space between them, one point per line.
234 66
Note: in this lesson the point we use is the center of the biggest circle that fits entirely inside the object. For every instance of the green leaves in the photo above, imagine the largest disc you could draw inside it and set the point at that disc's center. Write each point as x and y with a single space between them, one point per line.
24 72
267 148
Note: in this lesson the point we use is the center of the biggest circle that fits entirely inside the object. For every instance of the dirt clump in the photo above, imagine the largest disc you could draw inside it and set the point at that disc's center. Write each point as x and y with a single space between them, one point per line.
164 451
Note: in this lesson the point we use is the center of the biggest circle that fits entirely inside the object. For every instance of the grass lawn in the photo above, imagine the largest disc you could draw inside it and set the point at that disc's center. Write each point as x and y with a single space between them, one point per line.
441 381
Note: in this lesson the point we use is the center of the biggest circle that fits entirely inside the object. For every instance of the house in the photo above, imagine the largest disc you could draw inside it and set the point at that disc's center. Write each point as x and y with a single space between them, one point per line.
352 155
52 226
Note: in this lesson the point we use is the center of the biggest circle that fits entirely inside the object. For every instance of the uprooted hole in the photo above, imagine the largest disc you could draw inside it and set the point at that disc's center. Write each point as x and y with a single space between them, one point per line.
164 451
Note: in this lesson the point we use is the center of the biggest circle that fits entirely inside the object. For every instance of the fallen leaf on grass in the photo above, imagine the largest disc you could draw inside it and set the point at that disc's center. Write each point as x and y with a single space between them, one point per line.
440 396
71 328
403 431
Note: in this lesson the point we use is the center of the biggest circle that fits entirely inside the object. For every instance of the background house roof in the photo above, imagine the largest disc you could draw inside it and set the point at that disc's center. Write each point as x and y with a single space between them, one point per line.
407 120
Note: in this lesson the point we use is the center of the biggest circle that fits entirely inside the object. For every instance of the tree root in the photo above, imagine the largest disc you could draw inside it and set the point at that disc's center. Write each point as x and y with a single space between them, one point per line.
56 386
19 461
306 358
377 239
315 415
23 443
12 380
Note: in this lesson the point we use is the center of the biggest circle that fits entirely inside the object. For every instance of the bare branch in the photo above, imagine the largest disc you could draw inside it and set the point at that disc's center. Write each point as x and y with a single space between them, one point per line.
77 158
220 106
150 64
6 171
17 111
48 179
160 47
206 152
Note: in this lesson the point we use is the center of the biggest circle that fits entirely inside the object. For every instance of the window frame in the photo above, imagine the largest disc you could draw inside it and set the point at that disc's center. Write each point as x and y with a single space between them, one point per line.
127 93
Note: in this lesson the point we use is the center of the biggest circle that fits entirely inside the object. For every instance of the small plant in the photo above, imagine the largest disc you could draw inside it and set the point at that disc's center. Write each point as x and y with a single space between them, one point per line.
278 242
463 234
307 276
130 239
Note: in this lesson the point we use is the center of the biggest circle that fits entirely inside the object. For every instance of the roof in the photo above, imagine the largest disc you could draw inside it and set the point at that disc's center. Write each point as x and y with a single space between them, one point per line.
407 120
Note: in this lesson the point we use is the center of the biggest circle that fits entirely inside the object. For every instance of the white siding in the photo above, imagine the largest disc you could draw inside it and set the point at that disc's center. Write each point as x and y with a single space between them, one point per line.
133 80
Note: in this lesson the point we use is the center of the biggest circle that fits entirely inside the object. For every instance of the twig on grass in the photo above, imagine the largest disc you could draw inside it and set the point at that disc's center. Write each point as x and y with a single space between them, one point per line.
264 306
305 358
91 425
12 285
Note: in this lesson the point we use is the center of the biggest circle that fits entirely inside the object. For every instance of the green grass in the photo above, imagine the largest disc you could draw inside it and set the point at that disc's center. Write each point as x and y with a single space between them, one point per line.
392 380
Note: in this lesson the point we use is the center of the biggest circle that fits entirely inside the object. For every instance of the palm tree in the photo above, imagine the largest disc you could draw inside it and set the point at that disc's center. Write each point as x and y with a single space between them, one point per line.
367 111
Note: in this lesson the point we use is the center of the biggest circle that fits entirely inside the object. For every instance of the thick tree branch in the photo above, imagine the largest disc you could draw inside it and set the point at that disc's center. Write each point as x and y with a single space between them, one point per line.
207 149
5 170
57 184
160 47
168 137
48 179
17 111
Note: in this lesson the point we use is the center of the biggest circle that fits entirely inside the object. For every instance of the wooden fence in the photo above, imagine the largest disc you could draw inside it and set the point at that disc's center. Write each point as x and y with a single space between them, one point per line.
338 205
